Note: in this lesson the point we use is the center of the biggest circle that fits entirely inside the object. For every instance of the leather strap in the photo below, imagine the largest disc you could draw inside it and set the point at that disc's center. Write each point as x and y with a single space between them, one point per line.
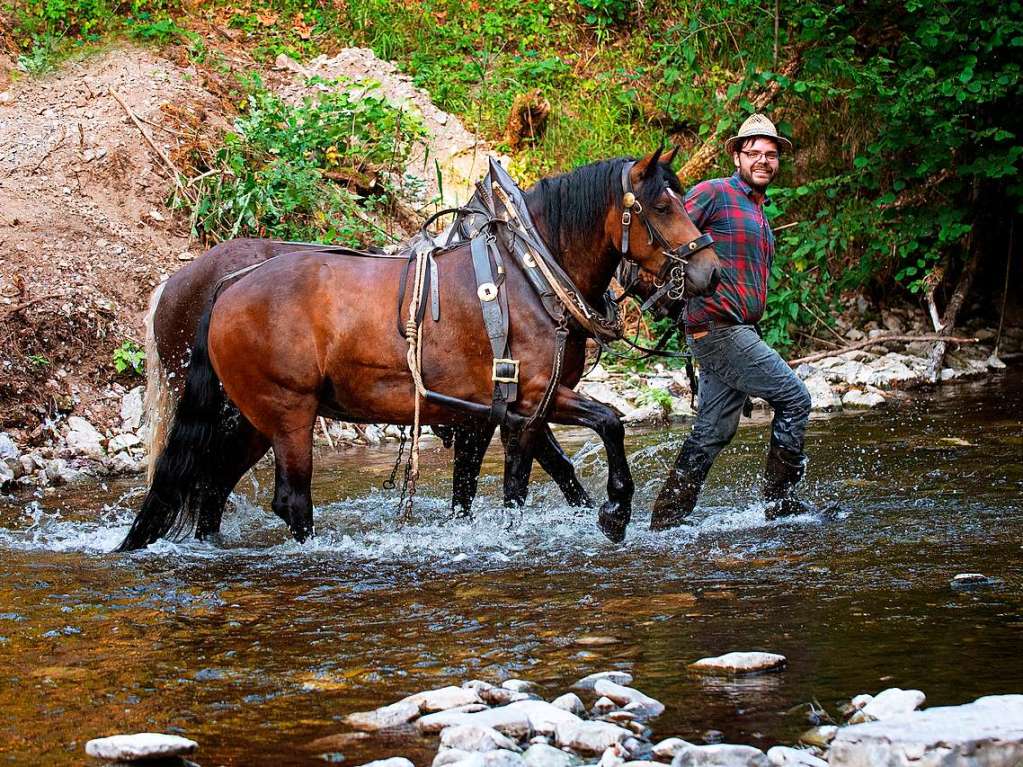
495 319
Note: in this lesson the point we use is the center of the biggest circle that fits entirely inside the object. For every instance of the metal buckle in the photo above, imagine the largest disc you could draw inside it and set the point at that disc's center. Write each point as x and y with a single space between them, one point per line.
505 379
626 218
487 291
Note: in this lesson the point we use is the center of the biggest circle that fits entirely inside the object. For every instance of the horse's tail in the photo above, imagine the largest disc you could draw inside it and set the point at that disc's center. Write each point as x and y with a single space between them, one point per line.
160 399
183 476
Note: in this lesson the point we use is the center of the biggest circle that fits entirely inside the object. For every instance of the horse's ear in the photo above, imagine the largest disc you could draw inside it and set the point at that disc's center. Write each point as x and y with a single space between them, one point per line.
667 161
647 167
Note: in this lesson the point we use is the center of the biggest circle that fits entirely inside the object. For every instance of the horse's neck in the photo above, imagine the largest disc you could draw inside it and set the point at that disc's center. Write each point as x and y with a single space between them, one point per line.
590 266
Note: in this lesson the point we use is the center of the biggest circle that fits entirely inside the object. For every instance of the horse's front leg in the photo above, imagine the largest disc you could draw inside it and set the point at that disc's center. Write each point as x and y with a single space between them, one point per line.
576 410
471 442
519 449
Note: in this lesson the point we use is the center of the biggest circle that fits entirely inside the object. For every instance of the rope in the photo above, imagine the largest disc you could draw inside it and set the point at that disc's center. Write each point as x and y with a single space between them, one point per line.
414 356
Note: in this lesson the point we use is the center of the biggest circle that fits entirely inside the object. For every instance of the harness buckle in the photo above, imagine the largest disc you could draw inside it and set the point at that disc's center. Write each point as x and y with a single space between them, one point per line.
626 217
501 373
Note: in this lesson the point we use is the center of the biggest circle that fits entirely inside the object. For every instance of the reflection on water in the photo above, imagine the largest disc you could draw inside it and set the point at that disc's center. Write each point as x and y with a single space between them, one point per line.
258 646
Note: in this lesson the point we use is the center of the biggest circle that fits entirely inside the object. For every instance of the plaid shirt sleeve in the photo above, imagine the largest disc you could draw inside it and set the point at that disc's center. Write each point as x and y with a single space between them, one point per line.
701 203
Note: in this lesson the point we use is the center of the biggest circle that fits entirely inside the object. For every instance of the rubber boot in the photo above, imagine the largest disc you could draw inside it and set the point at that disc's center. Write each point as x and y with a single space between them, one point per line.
783 471
677 498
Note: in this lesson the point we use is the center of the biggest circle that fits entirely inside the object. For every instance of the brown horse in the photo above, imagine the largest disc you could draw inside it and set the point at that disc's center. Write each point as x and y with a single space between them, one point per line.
314 333
174 312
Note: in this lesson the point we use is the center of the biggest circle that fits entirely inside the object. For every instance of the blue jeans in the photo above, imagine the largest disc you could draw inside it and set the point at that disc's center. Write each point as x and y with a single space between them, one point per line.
735 362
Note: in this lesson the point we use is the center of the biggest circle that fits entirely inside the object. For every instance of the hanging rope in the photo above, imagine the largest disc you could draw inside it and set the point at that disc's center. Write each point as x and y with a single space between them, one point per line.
414 356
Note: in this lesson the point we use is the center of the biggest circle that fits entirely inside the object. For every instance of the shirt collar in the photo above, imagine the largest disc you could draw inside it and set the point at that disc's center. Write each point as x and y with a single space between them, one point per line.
746 189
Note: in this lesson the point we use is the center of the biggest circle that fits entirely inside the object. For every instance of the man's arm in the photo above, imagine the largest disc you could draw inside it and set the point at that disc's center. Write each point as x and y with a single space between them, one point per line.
701 204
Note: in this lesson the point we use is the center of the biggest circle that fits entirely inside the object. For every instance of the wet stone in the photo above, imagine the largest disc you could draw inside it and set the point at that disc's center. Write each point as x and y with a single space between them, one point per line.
394 761
518 685
604 705
502 696
968 581
140 746
512 723
985 733
543 717
499 758
542 755
618 677
443 699
720 755
636 701
889 703
384 718
667 748
590 737
740 663
613 756
783 756
471 737
569 702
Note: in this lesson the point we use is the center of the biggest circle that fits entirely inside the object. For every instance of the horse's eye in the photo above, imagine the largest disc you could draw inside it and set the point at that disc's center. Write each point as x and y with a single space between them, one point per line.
662 207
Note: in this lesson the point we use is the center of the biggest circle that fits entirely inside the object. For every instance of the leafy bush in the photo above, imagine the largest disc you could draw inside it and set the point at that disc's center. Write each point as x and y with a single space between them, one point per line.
274 170
129 356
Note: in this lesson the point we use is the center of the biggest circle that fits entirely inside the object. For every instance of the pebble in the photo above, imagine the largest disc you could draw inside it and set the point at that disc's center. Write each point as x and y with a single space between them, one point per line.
720 755
590 737
635 701
618 677
569 702
472 737
741 663
143 745
889 703
783 756
385 717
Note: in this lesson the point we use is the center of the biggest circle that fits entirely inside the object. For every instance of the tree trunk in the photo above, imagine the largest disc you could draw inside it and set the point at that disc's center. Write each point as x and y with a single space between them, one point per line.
948 320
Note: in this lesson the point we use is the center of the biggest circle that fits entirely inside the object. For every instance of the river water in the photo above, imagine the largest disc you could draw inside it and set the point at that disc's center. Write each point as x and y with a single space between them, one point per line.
258 646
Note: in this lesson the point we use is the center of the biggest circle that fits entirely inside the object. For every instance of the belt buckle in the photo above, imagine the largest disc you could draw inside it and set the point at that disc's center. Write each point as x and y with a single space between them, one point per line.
505 379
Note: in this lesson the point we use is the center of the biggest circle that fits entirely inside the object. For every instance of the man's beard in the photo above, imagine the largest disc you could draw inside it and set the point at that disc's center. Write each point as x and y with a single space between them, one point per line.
747 176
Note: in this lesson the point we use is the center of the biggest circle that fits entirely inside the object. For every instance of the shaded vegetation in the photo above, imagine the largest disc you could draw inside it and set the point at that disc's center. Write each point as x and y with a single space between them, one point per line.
905 114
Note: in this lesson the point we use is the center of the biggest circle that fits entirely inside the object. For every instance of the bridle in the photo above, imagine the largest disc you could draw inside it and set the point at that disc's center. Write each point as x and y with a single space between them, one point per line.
671 278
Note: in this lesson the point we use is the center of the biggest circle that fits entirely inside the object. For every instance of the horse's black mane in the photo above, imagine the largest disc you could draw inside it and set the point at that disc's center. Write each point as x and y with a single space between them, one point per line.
572 201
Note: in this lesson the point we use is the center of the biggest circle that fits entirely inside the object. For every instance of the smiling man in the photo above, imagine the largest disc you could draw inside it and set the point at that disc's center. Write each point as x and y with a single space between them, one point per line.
720 328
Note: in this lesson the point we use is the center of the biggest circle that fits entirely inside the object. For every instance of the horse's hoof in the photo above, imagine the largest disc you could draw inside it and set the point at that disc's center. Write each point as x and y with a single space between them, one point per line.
580 499
612 521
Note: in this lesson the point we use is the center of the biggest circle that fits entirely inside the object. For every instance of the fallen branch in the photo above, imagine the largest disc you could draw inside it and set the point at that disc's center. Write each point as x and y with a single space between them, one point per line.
51 150
948 320
877 341
138 124
22 306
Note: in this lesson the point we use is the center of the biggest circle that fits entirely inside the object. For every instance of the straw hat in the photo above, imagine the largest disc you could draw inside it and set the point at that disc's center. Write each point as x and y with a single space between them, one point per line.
757 125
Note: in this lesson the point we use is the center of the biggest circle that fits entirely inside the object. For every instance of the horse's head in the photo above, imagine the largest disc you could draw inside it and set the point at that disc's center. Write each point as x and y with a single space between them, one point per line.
650 226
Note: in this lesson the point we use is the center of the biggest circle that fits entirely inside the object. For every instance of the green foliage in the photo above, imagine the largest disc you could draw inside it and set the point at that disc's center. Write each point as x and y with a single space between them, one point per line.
129 356
655 395
38 360
273 170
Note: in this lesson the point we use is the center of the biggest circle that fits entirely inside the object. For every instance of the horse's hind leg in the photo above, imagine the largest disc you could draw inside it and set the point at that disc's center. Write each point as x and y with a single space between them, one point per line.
552 459
519 449
471 442
243 447
293 464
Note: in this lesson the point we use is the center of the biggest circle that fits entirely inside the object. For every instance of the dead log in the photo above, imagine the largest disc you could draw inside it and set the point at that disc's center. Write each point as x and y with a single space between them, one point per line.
948 320
877 341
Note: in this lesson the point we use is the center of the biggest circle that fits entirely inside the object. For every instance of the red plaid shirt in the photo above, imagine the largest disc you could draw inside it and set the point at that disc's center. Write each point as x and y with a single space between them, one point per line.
733 213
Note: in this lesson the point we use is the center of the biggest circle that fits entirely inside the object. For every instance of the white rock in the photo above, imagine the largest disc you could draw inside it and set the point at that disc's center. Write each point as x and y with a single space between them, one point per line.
668 747
517 685
541 755
618 677
443 699
6 473
394 761
971 581
783 756
598 374
604 705
122 442
478 685
8 450
860 701
472 737
720 755
512 723
985 733
613 756
499 758
501 696
83 438
131 410
822 396
450 756
995 363
819 736
630 697
383 718
603 393
889 703
569 702
859 398
741 663
543 717
591 737
143 745
643 763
